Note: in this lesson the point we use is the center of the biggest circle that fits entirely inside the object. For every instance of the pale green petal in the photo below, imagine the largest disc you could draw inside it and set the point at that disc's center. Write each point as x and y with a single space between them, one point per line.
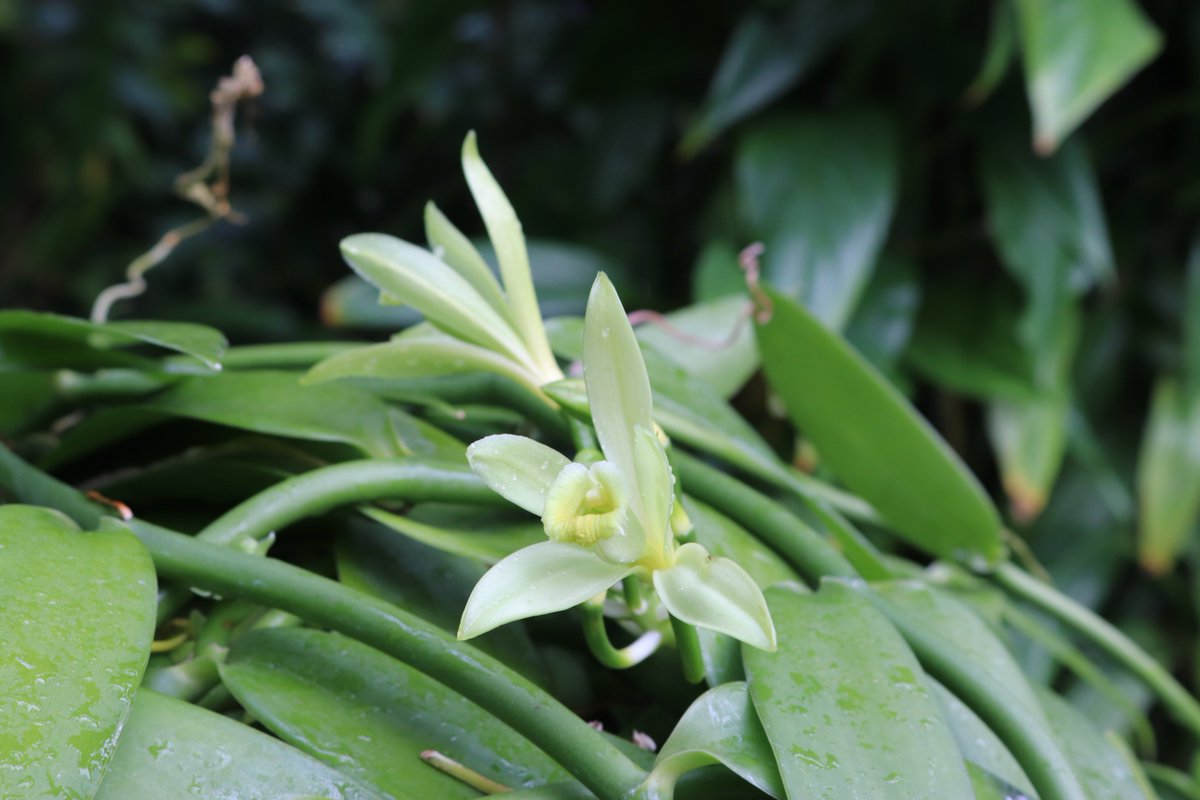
504 229
415 276
617 386
715 593
656 485
540 579
459 253
517 468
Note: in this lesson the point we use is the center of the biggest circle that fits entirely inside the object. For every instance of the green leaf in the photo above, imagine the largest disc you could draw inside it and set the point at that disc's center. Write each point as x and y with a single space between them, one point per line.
977 743
418 358
819 191
1001 47
712 341
170 748
962 652
1104 770
79 619
1077 53
845 706
1168 477
988 787
715 593
483 539
1048 226
539 579
504 229
202 343
618 388
458 252
765 57
414 276
874 440
720 727
517 468
1030 440
370 716
29 398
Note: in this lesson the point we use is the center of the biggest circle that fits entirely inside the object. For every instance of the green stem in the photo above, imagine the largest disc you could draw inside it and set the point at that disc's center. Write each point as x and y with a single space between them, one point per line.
635 599
514 699
323 489
1101 633
803 547
108 384
596 634
687 643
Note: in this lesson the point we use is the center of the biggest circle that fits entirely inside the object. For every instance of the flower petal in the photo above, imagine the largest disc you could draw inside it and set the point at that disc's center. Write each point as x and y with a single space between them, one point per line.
540 579
618 388
458 252
517 468
715 593
656 485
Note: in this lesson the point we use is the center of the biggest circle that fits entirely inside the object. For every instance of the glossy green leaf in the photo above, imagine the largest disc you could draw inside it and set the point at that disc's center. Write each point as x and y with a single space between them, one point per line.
874 440
715 593
517 468
276 403
720 727
988 787
1030 440
202 343
351 302
1168 479
765 57
618 388
1077 53
454 248
170 749
962 652
77 610
1048 225
434 582
845 706
370 716
977 743
26 398
414 276
819 191
504 229
712 341
421 358
539 579
1104 770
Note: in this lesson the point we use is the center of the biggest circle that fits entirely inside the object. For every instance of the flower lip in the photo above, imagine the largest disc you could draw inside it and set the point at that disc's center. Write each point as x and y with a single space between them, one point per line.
585 505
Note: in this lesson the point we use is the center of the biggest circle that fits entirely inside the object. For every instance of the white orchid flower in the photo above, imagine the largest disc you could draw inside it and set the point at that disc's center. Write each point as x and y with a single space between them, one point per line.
610 519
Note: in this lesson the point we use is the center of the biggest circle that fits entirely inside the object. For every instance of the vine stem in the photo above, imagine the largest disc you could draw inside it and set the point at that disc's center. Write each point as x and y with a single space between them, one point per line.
524 706
602 647
687 643
1120 647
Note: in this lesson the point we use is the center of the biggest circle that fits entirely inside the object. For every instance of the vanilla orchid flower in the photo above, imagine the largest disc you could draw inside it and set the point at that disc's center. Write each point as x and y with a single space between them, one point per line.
610 519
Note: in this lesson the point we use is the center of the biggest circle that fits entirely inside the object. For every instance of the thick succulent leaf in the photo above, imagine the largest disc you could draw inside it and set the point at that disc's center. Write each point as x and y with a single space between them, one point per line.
1030 440
962 652
504 229
418 358
77 610
454 248
845 706
874 440
819 191
618 388
202 343
715 593
540 579
989 787
170 748
1168 477
370 716
517 468
720 727
766 55
412 275
482 539
1077 53
977 743
1104 770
